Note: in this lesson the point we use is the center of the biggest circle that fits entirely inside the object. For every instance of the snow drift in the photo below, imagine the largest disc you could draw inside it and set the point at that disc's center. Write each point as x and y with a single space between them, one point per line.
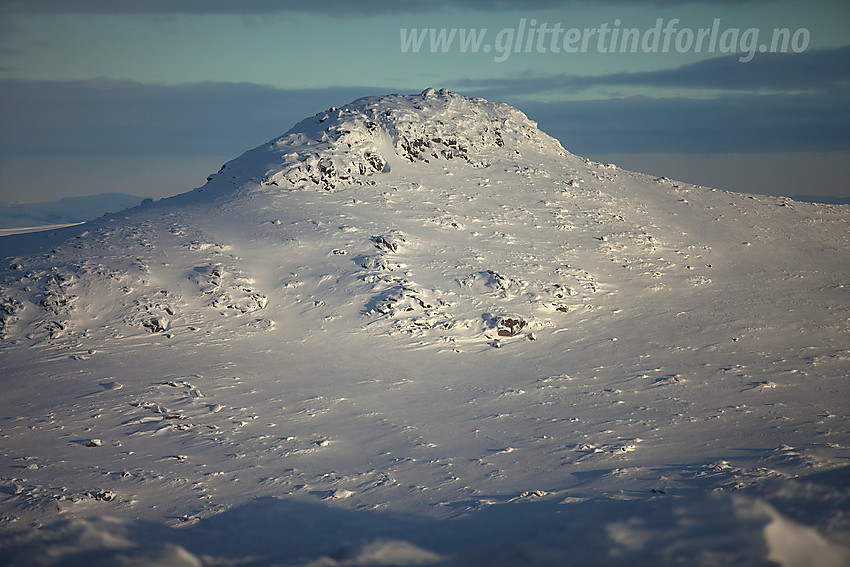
416 330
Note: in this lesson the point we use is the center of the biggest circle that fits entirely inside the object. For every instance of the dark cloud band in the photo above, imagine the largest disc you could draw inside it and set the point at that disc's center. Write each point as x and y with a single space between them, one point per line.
808 71
325 7
106 117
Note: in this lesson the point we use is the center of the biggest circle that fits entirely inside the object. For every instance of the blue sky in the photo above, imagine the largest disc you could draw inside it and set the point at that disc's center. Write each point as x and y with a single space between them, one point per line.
150 97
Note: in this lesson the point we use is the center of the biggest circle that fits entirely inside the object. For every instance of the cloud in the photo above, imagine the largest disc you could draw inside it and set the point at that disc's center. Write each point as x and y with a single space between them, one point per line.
102 134
104 117
328 7
812 70
778 102
733 123
109 117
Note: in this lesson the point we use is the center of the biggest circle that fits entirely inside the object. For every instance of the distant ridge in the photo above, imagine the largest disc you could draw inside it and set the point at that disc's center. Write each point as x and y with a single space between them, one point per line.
822 199
64 211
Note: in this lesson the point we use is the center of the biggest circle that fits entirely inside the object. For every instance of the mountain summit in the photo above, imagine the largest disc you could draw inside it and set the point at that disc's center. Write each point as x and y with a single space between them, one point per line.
416 330
348 146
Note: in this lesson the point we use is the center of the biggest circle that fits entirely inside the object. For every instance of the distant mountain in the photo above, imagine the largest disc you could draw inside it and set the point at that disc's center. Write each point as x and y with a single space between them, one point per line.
415 330
64 211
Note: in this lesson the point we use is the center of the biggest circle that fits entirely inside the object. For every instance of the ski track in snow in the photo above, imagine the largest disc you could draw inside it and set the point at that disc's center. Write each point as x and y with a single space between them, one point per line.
416 323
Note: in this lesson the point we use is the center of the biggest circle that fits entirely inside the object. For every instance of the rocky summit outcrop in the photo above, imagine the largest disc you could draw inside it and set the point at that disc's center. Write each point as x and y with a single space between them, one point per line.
351 145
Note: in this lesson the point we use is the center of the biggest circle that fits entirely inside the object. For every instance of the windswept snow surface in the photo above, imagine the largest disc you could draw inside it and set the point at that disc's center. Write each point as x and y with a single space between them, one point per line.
416 330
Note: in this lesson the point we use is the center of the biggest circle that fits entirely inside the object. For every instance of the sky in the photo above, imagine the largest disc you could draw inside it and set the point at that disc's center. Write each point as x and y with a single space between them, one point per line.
150 97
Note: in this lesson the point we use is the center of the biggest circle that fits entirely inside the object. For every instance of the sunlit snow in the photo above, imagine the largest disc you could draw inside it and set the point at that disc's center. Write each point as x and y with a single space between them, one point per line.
416 330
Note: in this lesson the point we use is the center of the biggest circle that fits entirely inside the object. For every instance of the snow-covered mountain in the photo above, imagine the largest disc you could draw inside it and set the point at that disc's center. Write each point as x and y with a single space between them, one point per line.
416 330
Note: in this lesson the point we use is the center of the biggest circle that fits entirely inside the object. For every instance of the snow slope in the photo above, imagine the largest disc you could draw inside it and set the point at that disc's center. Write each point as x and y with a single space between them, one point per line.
416 330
